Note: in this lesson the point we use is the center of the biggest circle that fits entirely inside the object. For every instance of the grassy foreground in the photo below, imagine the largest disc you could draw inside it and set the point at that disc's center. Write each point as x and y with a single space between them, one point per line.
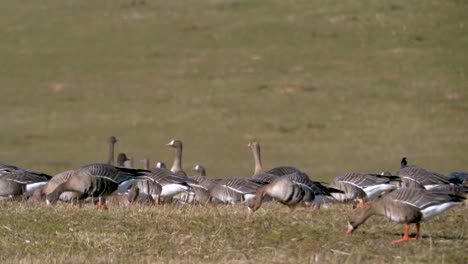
173 234
328 86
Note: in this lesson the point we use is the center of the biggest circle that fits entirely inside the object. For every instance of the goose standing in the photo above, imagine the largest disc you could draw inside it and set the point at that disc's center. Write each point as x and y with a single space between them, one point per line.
111 141
271 175
405 206
124 161
177 165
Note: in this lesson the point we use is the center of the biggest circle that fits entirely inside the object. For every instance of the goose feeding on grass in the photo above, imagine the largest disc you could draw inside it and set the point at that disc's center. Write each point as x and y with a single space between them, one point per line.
97 180
405 206
284 191
15 181
235 190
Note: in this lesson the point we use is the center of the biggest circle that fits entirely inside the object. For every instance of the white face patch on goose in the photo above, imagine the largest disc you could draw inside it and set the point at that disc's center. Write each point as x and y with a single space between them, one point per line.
172 142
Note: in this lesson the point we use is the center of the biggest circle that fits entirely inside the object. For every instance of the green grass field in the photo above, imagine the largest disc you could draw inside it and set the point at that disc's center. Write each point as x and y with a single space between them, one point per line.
327 86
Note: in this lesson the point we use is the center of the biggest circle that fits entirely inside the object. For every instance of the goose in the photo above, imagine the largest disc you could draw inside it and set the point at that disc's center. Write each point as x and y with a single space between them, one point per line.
111 141
160 165
124 161
360 186
15 181
96 180
162 183
177 165
235 190
202 179
322 193
405 206
43 191
458 177
271 174
411 175
285 191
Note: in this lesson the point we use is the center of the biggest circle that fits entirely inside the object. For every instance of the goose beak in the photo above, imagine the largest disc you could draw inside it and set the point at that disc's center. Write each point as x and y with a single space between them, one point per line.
350 229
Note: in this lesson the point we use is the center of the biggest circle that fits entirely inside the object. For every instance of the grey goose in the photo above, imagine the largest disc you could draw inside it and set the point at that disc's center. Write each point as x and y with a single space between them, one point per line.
412 175
15 181
360 187
285 191
405 206
96 180
111 142
271 174
234 190
162 184
177 165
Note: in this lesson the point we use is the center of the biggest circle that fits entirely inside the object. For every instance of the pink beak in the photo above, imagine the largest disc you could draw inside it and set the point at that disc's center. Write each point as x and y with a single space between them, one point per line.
350 229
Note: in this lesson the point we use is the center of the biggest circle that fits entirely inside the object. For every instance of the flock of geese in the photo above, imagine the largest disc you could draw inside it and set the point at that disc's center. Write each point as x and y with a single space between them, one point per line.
409 196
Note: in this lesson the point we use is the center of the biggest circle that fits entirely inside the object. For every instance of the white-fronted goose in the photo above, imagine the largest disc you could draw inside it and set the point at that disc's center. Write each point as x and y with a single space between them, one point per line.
111 141
16 181
360 186
405 206
163 183
411 175
202 179
124 161
235 190
160 165
322 193
284 191
458 177
41 193
177 165
272 174
96 180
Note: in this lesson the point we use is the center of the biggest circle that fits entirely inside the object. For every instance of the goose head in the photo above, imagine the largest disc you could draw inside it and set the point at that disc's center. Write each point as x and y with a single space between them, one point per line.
175 143
359 216
160 165
112 140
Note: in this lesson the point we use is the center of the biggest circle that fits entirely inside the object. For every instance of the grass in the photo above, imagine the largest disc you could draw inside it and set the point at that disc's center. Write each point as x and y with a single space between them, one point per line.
327 86
220 234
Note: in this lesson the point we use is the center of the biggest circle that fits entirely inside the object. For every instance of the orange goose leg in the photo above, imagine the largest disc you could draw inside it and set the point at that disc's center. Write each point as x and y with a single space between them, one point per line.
416 237
405 236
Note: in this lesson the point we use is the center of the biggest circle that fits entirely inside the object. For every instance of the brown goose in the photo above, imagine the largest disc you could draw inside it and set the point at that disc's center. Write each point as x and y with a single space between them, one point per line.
15 181
235 190
360 186
96 180
177 165
284 191
111 141
412 175
405 206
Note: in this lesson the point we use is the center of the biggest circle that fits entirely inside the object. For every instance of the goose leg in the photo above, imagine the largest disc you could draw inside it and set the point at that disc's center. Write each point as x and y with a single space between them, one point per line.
416 237
405 236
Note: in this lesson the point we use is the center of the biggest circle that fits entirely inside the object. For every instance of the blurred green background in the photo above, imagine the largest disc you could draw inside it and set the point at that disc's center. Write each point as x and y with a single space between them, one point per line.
328 86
